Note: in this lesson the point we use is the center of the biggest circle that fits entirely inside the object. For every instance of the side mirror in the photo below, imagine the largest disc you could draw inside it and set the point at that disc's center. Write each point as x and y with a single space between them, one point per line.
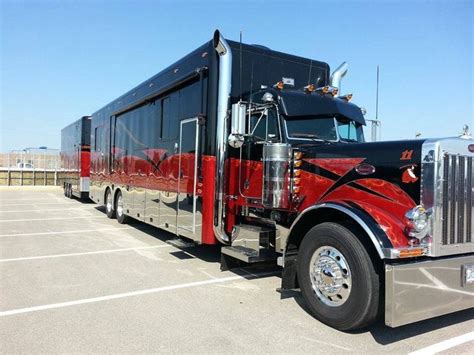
237 131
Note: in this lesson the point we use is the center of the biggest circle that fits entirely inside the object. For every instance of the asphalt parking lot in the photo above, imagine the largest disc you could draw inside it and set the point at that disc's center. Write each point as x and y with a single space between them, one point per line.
74 281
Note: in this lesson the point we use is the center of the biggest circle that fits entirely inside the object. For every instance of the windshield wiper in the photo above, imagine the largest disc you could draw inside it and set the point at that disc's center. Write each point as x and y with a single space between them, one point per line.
313 137
350 140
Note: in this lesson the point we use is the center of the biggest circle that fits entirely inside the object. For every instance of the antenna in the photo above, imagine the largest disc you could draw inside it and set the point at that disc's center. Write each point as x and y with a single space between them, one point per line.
309 75
251 82
240 69
377 97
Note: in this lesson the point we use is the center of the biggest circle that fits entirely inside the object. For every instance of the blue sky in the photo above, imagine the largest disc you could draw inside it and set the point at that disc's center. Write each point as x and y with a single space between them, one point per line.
64 59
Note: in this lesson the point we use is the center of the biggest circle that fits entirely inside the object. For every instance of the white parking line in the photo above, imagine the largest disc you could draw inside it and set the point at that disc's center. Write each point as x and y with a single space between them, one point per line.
65 232
37 203
445 345
85 253
38 199
46 219
126 294
48 210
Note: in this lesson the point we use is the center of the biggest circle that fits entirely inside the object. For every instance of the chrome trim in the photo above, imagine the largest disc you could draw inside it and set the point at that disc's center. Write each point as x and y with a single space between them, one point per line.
331 276
276 176
420 290
337 75
84 184
446 189
225 81
382 252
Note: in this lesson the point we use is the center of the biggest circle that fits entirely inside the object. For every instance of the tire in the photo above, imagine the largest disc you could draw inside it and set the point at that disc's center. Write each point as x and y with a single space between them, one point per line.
109 204
122 218
69 191
65 189
337 277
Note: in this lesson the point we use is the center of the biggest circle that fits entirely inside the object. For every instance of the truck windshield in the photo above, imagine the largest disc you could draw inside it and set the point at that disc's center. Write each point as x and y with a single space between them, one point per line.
310 127
323 128
350 131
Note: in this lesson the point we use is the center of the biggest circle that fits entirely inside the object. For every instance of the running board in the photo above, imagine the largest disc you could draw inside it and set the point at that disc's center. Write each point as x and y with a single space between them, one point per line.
250 245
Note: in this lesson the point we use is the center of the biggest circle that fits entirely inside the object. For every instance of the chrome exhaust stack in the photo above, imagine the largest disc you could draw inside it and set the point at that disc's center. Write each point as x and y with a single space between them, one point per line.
337 75
223 100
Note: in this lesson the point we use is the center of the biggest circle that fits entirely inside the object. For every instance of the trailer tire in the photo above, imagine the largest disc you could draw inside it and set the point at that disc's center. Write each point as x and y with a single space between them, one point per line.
337 277
122 218
69 191
109 204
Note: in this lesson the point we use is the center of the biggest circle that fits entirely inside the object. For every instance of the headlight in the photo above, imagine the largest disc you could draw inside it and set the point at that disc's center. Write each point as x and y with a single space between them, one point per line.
418 222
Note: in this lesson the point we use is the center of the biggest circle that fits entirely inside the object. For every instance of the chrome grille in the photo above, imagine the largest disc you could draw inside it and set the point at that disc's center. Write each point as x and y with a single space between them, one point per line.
457 199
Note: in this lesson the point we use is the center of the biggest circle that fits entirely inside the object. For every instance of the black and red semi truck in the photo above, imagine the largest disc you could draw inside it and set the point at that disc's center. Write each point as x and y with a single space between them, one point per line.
75 158
258 151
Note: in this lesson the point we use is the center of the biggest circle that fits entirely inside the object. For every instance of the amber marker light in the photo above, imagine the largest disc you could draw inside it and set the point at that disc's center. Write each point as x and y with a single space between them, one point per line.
279 85
334 91
298 155
411 253
309 88
297 172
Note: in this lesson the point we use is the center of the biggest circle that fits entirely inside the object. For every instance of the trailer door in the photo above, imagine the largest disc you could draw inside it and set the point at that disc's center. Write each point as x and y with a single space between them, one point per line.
188 211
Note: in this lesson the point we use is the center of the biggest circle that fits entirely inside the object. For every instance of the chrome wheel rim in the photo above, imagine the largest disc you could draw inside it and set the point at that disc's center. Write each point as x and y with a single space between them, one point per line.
330 276
109 202
120 205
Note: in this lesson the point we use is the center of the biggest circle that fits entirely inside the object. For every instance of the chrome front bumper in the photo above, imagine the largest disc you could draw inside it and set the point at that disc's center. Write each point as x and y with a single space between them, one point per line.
420 290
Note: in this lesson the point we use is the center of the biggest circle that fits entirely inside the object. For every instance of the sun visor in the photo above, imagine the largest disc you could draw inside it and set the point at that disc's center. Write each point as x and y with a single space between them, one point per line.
296 104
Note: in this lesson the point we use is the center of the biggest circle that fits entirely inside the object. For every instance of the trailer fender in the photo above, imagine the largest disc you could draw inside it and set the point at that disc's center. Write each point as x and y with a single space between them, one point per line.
373 235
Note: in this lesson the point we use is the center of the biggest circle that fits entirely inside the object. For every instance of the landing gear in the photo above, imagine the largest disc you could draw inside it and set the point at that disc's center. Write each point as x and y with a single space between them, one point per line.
337 277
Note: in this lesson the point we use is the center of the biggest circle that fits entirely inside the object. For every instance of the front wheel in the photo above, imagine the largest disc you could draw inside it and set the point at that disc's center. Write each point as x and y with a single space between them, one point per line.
337 277
122 218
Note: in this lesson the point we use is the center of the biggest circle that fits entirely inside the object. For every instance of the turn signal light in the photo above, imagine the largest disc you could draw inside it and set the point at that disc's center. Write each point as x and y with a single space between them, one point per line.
411 253
297 172
298 163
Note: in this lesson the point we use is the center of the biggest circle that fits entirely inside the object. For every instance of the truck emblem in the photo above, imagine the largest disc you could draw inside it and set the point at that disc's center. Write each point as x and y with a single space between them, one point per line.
408 175
406 154
365 169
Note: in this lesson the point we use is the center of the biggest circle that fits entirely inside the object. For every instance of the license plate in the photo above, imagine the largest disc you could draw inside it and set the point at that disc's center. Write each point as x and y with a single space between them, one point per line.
467 271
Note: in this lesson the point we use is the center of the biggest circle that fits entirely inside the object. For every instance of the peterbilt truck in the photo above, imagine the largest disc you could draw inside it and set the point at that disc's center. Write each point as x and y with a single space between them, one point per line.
259 151
75 158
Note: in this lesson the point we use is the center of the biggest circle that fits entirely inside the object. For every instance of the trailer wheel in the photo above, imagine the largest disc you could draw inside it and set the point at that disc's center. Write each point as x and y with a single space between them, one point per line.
122 218
109 204
337 277
69 191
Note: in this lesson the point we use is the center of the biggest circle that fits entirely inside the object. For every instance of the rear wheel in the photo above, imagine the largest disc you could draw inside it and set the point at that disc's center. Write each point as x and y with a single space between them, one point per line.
109 204
69 191
121 217
337 277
